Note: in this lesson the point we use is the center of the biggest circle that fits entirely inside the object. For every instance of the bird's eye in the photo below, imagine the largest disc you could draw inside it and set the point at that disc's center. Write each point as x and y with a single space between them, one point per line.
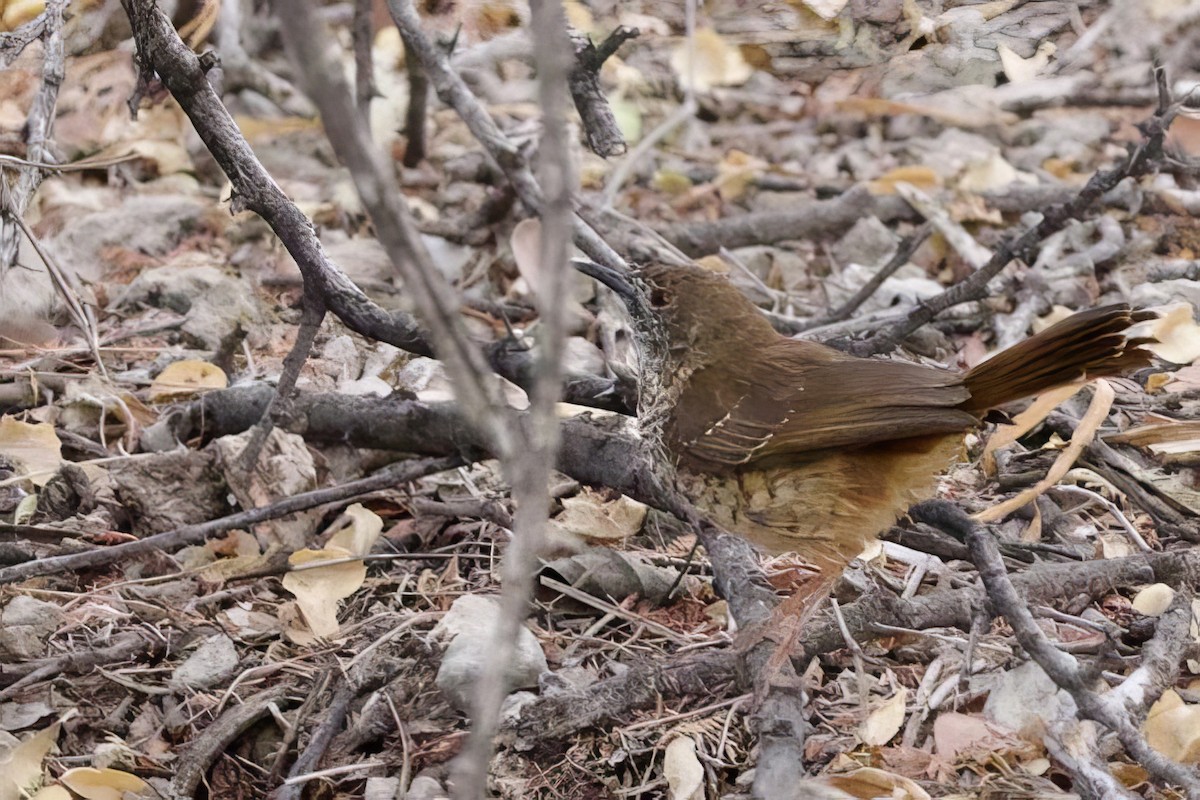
660 298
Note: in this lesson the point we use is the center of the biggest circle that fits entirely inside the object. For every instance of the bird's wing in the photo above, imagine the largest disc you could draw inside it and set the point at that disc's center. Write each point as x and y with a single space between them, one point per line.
803 397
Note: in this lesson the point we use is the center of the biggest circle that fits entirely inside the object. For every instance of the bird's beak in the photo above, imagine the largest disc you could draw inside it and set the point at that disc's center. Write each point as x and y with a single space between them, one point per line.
615 279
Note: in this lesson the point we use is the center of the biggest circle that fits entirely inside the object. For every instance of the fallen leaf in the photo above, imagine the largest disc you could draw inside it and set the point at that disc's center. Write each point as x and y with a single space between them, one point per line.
360 533
18 12
1096 414
956 735
885 721
1153 600
1177 333
1173 728
186 377
921 177
101 784
826 9
589 515
33 446
319 590
869 784
683 770
717 63
1023 70
21 766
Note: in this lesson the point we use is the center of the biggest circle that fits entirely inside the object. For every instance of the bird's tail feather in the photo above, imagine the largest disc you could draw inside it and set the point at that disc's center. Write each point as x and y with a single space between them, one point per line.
1090 344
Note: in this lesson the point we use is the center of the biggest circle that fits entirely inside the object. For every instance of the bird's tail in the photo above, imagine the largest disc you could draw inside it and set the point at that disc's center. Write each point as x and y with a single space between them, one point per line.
1091 344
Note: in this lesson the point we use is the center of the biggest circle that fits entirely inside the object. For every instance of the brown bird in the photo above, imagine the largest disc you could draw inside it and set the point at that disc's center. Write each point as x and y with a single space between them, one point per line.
800 447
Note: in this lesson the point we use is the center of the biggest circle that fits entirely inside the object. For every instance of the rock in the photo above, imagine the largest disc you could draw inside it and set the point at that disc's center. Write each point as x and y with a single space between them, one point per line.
471 621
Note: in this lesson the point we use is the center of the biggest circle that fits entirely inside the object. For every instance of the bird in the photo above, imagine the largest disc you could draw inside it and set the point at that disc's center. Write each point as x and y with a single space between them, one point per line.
800 447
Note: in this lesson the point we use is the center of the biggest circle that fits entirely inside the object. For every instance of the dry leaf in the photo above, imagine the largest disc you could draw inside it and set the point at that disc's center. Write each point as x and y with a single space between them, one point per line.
1177 333
33 446
990 173
870 784
683 771
1175 437
737 172
1185 379
1173 728
1023 70
1024 422
924 178
1153 600
359 535
589 515
885 721
186 377
319 590
18 12
826 9
956 735
197 29
1096 413
526 244
21 766
101 784
718 63
1115 545
954 114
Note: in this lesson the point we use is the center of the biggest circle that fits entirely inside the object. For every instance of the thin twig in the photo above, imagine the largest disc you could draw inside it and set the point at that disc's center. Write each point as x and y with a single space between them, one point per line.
364 69
417 111
903 253
529 467
312 313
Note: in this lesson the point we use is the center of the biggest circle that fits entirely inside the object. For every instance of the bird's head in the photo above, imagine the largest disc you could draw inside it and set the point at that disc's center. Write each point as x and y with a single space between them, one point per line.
684 312
685 318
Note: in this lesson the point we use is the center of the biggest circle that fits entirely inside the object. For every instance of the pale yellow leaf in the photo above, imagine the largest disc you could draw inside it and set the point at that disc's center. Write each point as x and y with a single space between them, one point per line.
683 770
1023 70
101 784
168 157
33 446
1173 728
18 12
1153 600
884 722
717 63
319 590
922 177
21 765
1024 422
1096 413
1177 333
579 17
589 515
826 9
988 174
869 783
358 537
628 115
736 172
182 378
